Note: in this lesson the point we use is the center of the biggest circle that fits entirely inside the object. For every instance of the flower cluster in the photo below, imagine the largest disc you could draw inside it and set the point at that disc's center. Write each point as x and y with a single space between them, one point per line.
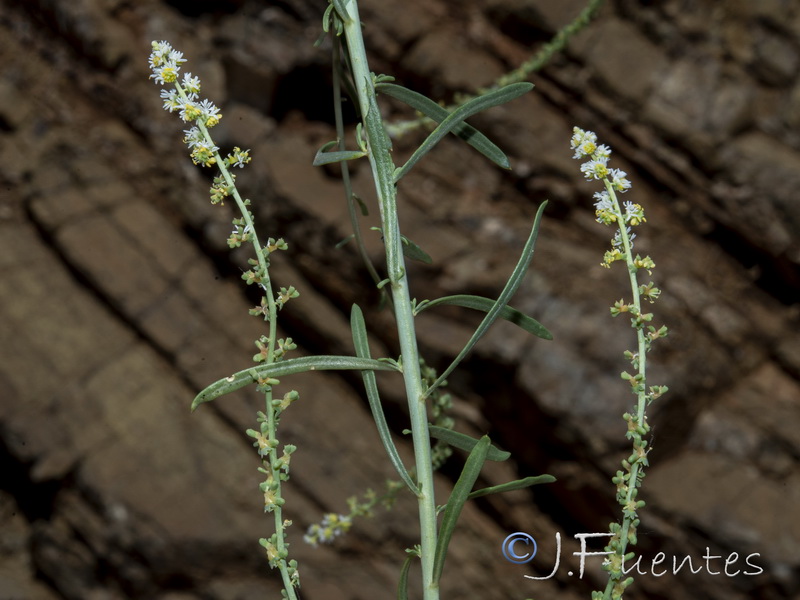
184 97
607 208
332 526
441 405
277 556
624 217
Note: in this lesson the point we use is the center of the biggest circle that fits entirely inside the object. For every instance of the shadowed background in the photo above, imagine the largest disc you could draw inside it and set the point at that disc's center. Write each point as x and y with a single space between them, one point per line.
119 299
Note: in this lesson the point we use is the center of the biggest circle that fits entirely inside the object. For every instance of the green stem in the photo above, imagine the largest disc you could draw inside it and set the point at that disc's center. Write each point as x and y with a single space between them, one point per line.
266 285
383 171
348 189
553 47
542 57
641 362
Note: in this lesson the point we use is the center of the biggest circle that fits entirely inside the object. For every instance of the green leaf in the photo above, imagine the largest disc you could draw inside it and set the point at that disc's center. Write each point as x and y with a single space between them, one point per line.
323 157
513 283
361 343
410 249
519 484
343 72
430 109
511 315
488 100
402 586
465 442
325 22
414 252
361 205
456 502
341 10
287 367
343 242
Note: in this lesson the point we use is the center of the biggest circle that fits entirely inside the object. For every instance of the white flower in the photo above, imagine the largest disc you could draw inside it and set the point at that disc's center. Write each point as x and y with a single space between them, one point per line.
583 142
208 109
619 181
594 169
171 100
602 152
190 110
603 202
176 57
191 85
165 63
617 241
241 158
159 54
193 137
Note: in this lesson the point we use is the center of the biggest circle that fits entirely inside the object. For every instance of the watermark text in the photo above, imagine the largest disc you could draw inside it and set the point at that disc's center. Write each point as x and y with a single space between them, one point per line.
520 548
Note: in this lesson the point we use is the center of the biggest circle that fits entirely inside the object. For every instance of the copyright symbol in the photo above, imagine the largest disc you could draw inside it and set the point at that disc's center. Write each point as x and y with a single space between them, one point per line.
509 551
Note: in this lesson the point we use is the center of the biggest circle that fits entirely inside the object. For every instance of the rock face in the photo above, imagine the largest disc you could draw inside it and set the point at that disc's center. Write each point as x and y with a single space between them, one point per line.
119 299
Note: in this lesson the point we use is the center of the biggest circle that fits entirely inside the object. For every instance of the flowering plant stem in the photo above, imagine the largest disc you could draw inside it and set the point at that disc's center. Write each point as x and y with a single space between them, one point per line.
628 481
629 515
420 382
165 63
383 168
280 545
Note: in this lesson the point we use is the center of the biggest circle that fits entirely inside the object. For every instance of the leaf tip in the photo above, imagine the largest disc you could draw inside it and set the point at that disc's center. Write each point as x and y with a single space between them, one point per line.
202 398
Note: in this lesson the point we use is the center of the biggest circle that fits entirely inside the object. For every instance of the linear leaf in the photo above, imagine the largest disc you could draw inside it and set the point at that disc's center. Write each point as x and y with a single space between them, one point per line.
510 288
465 111
362 351
456 502
361 205
511 315
341 10
402 586
414 252
465 442
288 367
519 484
430 109
343 242
323 157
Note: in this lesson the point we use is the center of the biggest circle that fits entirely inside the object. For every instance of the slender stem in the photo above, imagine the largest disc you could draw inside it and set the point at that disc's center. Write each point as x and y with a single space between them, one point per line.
641 363
348 190
542 57
266 285
383 170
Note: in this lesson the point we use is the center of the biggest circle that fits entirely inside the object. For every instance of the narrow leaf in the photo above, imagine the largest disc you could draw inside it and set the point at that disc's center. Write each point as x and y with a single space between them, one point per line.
342 10
343 242
510 288
287 367
361 343
511 315
465 442
456 502
402 586
519 484
325 22
414 252
325 158
488 100
361 205
430 109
